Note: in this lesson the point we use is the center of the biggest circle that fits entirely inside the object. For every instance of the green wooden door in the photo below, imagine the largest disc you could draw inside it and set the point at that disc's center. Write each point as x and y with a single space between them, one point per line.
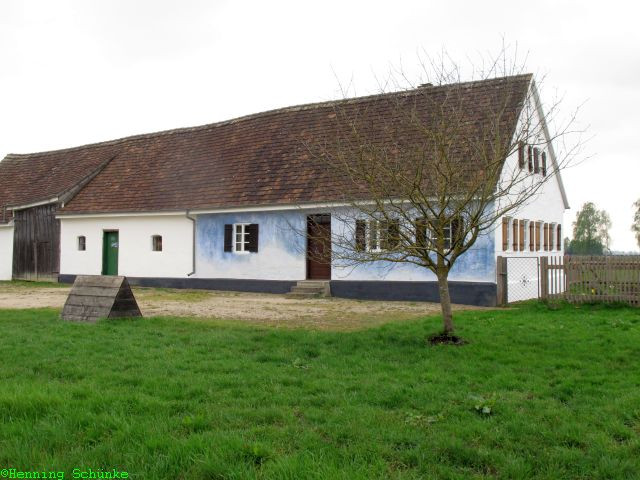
110 253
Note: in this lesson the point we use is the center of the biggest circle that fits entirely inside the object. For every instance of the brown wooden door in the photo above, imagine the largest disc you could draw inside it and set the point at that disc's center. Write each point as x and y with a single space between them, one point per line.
319 247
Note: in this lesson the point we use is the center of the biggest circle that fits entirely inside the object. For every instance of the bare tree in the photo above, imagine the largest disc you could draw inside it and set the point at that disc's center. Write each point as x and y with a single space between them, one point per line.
426 171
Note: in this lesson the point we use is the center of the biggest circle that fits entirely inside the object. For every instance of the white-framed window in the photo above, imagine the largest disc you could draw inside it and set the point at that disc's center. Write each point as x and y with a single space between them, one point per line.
240 238
377 235
82 243
374 240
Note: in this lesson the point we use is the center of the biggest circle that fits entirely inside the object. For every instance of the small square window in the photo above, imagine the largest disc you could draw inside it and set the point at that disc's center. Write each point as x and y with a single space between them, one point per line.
82 243
156 243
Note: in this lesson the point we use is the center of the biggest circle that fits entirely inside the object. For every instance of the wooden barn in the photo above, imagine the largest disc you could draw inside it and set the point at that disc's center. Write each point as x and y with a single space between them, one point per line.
32 190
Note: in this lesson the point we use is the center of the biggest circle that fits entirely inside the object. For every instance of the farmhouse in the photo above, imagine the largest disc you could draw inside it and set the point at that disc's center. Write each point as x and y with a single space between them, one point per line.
221 206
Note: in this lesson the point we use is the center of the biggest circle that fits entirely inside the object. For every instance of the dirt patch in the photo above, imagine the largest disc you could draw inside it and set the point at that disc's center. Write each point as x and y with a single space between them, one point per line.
254 308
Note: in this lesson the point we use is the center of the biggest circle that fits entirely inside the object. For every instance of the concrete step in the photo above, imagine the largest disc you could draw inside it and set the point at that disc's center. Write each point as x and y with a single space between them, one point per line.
312 283
307 289
300 296
310 289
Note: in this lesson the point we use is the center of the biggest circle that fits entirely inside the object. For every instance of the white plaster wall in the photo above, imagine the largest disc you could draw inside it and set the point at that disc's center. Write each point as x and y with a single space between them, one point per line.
6 252
135 256
546 206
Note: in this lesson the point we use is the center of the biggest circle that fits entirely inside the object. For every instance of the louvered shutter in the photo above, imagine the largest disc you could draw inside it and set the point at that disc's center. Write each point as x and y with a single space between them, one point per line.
522 235
421 233
393 234
532 244
514 230
544 164
505 234
521 155
536 160
559 237
252 231
228 238
530 158
361 235
456 231
546 237
538 225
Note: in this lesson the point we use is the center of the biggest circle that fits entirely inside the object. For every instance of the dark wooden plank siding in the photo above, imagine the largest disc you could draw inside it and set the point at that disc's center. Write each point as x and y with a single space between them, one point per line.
36 243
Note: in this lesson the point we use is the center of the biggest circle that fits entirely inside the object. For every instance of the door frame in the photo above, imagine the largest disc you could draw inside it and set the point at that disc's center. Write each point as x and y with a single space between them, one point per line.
105 234
308 218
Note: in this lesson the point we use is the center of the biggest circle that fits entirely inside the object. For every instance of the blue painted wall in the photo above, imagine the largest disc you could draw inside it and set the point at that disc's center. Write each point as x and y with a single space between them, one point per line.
476 265
282 246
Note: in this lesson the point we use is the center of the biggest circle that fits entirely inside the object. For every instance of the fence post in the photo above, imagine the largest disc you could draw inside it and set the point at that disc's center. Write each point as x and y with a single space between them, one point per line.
501 281
544 277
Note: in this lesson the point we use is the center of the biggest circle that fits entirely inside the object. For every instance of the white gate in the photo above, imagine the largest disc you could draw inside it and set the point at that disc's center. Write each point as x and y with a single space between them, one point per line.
523 278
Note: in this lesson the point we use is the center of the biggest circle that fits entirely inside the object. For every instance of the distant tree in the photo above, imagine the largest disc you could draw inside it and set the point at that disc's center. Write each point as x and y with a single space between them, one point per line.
567 246
590 231
636 221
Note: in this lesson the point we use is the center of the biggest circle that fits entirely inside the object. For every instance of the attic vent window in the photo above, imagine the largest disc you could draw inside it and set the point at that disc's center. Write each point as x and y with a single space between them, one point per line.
82 243
156 243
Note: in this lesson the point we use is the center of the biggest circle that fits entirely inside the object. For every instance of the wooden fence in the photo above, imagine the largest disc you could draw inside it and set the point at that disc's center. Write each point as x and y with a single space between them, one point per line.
585 279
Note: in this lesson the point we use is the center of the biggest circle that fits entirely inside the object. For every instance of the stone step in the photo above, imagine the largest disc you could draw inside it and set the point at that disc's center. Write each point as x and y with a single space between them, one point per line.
312 283
307 289
310 289
299 295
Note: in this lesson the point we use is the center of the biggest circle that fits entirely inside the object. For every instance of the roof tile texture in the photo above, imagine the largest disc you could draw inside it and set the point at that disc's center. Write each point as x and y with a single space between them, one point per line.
256 160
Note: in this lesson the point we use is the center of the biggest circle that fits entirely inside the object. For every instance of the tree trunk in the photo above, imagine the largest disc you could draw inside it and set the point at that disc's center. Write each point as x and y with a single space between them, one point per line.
445 300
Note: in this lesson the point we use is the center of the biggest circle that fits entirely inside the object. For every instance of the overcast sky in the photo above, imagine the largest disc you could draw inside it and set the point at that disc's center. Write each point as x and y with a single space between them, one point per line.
75 72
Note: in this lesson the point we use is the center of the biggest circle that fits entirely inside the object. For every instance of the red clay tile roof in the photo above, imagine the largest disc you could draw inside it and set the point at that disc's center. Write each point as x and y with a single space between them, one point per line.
260 159
33 178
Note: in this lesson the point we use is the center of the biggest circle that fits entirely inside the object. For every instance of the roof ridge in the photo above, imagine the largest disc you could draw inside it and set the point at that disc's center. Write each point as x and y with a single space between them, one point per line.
292 108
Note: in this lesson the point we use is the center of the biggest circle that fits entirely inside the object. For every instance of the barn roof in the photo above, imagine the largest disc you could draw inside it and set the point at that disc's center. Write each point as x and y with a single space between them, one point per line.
46 177
260 159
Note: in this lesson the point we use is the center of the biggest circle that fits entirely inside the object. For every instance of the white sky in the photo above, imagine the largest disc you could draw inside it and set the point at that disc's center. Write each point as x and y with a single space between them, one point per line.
75 72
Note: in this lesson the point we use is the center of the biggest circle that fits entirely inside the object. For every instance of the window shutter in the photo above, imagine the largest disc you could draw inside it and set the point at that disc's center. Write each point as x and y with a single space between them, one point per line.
538 225
393 234
228 238
361 235
521 155
559 237
522 235
546 237
505 234
252 237
456 231
530 158
514 229
536 160
421 233
544 164
532 243
374 226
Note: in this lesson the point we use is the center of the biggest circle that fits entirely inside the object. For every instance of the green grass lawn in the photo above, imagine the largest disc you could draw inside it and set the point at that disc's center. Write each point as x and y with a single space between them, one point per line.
176 399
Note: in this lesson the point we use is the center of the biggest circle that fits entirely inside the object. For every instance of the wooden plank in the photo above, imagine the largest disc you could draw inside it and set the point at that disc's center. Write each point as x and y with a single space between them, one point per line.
99 281
86 311
544 278
501 281
94 292
76 300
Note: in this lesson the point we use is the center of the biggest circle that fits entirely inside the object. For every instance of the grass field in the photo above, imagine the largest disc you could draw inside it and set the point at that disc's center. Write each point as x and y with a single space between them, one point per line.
165 398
